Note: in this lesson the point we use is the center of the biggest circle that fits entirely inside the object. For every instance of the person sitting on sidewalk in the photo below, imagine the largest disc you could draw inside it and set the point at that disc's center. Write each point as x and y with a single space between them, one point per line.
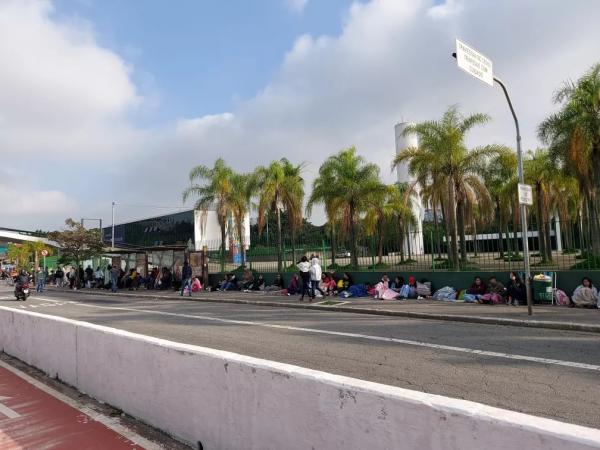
277 284
586 295
294 286
516 290
328 284
495 292
476 290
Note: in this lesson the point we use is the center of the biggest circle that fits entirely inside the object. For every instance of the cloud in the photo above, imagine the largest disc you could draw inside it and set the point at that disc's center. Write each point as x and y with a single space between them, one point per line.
390 62
58 88
297 5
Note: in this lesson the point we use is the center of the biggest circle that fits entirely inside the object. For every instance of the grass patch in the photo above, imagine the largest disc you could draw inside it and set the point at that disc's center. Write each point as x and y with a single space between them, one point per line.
443 264
406 261
592 262
379 266
570 251
513 257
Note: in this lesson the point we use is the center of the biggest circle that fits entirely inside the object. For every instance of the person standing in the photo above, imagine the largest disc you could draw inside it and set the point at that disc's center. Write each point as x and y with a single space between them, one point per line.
186 278
304 269
41 280
114 278
315 276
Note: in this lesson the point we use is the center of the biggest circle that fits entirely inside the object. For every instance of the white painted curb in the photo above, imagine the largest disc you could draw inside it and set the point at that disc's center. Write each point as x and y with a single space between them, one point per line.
230 401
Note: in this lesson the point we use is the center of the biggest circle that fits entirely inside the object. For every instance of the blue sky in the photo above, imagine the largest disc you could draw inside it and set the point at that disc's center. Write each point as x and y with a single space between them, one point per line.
202 56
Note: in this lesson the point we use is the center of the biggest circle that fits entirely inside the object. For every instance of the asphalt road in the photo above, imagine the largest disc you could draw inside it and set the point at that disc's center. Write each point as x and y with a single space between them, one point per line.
546 373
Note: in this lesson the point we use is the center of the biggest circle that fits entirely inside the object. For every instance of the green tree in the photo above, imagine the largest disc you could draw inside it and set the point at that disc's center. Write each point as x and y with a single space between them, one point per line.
281 188
573 137
77 243
212 187
390 207
442 153
344 184
243 187
36 248
498 172
19 254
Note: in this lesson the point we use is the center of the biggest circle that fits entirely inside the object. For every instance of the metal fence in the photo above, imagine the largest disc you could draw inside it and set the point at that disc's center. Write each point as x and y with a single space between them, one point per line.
484 250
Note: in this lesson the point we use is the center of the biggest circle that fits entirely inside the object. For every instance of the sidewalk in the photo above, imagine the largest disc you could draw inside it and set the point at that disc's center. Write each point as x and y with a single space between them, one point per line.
33 415
544 316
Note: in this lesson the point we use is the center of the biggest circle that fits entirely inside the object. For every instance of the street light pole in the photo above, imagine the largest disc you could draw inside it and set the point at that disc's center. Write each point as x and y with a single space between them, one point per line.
522 206
113 226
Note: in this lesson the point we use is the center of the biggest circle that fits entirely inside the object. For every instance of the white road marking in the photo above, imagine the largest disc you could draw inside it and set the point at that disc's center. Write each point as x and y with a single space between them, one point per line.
450 348
5 410
112 423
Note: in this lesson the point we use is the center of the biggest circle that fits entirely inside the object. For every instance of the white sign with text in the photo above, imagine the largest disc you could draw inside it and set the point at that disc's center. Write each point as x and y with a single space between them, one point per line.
473 62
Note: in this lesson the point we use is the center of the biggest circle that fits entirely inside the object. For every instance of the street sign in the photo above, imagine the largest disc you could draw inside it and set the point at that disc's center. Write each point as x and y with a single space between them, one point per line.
473 62
525 194
44 252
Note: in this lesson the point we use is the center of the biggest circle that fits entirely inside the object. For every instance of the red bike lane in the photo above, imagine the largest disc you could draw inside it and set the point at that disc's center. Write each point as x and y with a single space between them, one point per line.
31 418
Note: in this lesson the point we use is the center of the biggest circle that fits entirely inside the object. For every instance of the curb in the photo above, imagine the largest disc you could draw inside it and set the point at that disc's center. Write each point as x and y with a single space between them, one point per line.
565 326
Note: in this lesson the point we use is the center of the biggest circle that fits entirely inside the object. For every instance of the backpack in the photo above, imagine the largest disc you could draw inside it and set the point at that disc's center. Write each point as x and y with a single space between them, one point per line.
561 298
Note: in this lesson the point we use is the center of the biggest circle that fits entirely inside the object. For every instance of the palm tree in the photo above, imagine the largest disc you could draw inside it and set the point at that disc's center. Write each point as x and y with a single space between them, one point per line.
212 192
500 170
346 181
281 187
573 137
443 157
541 172
243 187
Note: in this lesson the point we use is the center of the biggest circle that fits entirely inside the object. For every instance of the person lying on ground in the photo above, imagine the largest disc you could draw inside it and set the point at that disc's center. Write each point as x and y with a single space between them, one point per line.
277 284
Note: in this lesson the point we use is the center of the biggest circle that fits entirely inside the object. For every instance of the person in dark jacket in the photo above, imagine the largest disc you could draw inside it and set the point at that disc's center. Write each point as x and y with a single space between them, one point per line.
516 290
186 278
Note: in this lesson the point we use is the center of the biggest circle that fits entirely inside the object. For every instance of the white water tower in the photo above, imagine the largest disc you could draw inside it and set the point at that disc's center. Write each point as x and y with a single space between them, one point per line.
415 232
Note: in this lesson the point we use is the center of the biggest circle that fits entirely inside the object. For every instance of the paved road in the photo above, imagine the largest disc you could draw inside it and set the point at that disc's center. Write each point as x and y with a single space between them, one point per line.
547 373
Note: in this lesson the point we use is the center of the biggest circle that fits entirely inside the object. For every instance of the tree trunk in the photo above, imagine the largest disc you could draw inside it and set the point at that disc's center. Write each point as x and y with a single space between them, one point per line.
293 237
461 229
515 228
474 237
409 247
595 227
452 223
279 243
401 236
500 230
223 244
36 265
380 243
354 249
240 230
332 246
437 233
540 224
548 231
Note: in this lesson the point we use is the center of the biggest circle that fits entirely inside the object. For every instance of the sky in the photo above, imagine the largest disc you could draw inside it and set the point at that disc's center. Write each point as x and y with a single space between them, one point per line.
106 100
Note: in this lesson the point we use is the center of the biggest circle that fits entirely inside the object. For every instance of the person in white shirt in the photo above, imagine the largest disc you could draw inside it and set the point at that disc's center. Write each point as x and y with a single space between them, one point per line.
304 268
315 276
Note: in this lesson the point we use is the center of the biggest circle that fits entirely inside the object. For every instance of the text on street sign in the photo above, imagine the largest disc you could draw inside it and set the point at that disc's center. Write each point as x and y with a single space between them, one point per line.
473 62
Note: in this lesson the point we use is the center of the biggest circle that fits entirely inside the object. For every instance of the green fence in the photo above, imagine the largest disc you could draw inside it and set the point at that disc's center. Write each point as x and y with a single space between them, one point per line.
485 249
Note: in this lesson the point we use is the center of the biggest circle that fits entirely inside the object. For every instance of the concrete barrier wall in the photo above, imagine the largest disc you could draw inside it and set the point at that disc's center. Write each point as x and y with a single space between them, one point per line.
230 401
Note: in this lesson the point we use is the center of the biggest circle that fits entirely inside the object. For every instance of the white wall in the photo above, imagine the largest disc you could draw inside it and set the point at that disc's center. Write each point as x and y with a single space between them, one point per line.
416 232
230 401
208 232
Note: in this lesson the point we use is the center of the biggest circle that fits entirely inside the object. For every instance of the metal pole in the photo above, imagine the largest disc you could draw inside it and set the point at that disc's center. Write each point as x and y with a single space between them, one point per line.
113 226
522 207
101 232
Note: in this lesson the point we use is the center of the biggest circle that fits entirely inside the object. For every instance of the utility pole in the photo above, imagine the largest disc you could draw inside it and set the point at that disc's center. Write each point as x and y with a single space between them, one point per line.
480 67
